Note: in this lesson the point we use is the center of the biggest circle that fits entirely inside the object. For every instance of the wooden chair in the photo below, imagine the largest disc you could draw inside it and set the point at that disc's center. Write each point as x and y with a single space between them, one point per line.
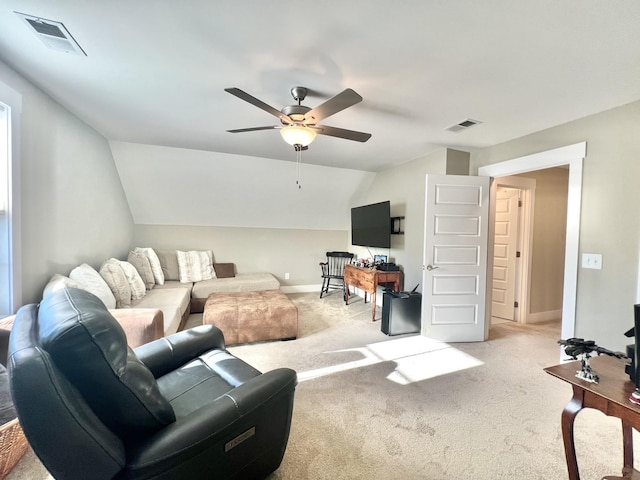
333 269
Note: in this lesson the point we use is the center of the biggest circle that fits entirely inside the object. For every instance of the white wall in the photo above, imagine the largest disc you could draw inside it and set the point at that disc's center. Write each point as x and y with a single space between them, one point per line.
610 217
73 208
178 186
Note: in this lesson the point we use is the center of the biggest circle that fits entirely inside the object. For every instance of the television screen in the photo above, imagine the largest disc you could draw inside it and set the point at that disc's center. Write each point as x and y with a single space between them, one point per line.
371 225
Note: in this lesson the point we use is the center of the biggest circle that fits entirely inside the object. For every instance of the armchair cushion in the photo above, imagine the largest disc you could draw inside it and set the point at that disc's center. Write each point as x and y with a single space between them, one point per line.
90 348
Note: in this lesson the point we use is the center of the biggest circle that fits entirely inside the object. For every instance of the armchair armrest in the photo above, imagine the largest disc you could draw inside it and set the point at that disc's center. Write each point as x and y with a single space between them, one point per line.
168 353
142 325
263 402
6 324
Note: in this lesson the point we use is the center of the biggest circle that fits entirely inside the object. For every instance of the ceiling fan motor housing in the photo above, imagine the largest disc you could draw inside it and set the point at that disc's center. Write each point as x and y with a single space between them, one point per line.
295 112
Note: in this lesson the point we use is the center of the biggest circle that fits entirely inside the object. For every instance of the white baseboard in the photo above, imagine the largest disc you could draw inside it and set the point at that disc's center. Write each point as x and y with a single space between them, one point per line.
300 288
544 316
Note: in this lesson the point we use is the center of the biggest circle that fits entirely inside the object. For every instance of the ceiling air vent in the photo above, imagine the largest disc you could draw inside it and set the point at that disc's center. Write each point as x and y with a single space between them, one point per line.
53 34
464 125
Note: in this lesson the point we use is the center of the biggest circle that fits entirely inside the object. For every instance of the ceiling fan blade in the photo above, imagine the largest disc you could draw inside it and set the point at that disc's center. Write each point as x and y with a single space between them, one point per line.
258 103
344 99
342 133
253 129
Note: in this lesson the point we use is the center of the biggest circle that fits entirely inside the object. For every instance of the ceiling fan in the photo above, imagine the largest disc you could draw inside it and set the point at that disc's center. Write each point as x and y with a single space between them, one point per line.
299 124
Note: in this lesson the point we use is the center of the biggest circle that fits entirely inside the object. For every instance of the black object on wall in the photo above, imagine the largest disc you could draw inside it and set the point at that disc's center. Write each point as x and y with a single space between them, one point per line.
371 225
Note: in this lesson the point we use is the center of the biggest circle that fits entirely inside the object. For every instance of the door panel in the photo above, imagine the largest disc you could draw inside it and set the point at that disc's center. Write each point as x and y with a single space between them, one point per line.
504 253
455 256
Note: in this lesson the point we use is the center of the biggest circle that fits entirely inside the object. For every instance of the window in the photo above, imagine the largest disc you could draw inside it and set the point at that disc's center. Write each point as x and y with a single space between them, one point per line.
5 243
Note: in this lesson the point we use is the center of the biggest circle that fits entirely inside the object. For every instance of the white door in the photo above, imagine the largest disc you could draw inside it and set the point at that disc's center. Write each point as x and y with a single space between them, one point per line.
455 258
505 253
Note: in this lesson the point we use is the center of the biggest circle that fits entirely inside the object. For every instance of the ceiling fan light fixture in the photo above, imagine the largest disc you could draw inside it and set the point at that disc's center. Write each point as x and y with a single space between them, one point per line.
298 135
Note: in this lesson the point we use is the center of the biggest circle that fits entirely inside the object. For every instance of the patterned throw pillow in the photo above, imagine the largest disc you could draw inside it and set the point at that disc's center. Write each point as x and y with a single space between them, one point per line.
138 290
143 266
92 281
114 275
156 268
195 266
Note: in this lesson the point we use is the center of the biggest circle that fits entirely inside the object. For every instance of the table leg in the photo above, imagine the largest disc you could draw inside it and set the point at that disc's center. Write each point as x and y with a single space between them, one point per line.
346 294
373 305
568 416
627 445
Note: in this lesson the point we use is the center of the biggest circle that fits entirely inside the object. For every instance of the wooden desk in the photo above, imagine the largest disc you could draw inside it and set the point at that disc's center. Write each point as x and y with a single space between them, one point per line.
610 396
368 279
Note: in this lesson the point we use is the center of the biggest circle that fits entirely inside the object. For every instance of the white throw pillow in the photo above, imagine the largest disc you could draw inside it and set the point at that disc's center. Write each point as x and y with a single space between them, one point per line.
138 290
114 276
92 281
141 263
58 282
156 268
195 266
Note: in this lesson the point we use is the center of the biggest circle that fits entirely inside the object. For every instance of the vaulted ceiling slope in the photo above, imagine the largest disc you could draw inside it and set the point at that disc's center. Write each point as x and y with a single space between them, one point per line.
155 71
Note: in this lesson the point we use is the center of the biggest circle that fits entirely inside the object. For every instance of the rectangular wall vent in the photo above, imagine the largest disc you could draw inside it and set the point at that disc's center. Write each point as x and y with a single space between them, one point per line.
53 34
464 125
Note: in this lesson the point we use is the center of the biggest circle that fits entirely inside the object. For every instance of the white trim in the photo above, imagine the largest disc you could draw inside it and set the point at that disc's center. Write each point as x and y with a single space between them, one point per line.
572 155
13 100
544 316
301 288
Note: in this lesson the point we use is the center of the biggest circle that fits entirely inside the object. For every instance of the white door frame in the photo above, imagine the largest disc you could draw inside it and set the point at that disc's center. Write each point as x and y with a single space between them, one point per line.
572 155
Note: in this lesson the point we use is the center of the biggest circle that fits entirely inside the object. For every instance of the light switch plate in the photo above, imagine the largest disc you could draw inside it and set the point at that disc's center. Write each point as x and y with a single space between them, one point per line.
592 260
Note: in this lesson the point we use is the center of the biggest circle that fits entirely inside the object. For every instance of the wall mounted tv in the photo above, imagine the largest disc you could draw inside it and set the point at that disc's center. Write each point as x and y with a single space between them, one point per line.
371 225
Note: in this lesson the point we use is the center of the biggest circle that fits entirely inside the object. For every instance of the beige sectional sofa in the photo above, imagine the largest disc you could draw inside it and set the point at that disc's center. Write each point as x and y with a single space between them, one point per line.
168 287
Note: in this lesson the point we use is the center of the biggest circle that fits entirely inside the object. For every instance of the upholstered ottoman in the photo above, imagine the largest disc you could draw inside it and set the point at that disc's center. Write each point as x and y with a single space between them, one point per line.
246 317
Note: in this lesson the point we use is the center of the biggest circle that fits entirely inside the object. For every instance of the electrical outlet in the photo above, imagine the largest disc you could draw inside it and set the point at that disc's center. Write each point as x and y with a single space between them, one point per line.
287 276
592 260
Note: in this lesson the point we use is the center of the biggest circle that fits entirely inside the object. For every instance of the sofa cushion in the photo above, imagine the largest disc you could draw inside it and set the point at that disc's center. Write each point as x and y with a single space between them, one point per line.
92 281
141 263
242 282
195 266
224 270
169 262
90 348
136 285
113 274
156 268
173 302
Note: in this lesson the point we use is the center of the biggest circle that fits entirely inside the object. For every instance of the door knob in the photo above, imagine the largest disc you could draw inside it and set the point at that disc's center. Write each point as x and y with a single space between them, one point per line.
431 267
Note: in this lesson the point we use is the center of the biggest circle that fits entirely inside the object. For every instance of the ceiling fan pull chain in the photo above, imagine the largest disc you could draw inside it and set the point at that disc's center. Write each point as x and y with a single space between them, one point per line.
298 160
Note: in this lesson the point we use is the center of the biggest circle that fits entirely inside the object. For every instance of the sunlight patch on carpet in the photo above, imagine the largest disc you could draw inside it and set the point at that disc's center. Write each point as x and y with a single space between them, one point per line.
417 358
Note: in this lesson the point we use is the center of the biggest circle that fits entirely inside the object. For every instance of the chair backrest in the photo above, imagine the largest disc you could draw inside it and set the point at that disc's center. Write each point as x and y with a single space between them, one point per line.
336 262
79 390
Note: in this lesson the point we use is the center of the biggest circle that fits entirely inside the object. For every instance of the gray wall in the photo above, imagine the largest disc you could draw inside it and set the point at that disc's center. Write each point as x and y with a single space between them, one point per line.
73 207
278 251
549 239
610 218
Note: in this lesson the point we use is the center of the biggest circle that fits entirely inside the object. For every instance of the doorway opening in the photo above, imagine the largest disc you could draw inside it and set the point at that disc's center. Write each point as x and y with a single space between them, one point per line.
571 156
529 246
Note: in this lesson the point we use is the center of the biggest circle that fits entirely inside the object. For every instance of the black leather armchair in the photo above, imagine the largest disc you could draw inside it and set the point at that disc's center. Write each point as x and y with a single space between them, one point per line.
180 407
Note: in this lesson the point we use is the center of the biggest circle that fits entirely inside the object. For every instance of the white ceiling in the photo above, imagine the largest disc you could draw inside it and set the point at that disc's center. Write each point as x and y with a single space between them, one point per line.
156 70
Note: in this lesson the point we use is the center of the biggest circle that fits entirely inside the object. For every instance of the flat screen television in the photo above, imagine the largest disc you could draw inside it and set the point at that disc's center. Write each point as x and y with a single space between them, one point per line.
371 225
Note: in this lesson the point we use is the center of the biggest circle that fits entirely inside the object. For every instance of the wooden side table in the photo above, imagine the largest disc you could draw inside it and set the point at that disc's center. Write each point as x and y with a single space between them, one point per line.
368 279
610 396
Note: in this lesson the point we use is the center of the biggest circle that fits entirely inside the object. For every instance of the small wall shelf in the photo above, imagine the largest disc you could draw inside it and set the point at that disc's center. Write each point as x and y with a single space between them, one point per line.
397 225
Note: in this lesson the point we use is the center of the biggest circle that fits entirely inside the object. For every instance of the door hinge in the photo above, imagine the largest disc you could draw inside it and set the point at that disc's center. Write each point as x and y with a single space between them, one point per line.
519 203
517 254
515 304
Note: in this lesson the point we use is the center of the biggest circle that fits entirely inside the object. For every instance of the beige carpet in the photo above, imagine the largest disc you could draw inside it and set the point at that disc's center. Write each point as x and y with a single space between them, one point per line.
369 406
